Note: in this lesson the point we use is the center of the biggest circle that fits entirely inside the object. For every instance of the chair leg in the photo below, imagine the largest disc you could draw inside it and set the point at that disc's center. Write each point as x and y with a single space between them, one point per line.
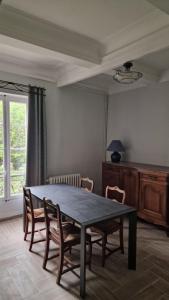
121 239
46 252
104 241
26 228
90 255
32 235
24 218
60 268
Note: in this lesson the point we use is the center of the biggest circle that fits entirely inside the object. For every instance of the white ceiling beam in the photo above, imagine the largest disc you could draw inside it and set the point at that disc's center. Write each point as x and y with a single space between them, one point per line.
150 43
68 45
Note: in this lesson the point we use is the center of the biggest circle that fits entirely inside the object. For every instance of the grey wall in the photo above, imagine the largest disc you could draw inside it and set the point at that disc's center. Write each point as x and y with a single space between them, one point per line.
76 132
140 118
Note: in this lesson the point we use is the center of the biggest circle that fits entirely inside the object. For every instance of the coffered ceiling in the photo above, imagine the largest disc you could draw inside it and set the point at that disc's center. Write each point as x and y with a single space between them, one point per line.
92 18
77 41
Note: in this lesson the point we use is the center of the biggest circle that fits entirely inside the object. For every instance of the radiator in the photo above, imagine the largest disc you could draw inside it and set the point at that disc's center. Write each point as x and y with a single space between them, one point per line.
71 179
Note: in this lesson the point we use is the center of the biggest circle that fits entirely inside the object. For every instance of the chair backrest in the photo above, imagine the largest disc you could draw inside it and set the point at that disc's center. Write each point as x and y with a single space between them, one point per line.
47 210
28 201
87 184
113 192
51 210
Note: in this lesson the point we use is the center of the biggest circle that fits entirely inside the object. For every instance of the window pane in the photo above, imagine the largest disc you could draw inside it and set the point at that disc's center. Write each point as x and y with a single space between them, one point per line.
1 152
17 183
1 113
1 174
1 132
18 161
1 162
1 137
1 186
17 147
17 125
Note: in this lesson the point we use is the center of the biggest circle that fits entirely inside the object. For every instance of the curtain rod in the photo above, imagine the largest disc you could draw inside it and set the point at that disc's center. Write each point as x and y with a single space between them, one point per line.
17 87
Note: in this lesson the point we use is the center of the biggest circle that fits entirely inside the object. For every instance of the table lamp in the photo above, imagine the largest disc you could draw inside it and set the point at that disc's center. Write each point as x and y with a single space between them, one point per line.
115 146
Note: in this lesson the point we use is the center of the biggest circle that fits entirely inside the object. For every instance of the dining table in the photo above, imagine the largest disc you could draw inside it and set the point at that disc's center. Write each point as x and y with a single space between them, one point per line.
88 209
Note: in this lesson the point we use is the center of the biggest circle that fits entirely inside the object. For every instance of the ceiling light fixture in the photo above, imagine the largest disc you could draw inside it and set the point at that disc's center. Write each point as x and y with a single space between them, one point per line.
125 75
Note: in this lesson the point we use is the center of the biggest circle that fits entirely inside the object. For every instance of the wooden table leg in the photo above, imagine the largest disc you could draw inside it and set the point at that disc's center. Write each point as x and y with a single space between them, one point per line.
83 262
132 241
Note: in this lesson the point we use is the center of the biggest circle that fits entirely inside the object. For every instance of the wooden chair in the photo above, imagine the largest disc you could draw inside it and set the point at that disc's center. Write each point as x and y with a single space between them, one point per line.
33 216
109 191
104 229
87 184
65 235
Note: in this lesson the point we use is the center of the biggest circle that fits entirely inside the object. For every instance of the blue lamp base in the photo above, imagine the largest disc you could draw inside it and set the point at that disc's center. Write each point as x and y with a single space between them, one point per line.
115 157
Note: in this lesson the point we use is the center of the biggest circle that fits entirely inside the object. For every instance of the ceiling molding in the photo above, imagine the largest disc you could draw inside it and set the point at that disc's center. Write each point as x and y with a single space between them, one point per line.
91 88
20 26
165 76
124 88
151 43
161 4
83 57
18 45
135 31
29 70
69 69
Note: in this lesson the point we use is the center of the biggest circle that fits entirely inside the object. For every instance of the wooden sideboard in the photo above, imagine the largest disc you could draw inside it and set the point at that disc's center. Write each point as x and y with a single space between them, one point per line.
146 187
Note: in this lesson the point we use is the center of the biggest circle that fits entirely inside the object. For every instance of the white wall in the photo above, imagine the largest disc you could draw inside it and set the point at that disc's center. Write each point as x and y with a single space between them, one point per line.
140 119
75 132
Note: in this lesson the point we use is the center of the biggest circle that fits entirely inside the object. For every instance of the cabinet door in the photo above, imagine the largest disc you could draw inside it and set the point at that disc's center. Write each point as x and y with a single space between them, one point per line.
130 183
110 176
152 202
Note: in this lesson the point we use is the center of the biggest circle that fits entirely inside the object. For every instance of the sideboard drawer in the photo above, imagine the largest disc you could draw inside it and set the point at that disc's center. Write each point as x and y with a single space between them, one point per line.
110 168
153 177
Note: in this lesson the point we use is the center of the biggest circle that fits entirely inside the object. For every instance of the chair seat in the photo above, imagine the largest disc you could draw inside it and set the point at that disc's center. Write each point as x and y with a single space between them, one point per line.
71 234
38 214
106 227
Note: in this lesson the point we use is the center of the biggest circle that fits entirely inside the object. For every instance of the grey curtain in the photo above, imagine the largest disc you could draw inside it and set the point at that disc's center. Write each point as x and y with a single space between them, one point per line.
36 142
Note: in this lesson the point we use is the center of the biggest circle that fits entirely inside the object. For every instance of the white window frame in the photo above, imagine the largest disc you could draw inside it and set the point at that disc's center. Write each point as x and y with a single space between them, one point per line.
6 99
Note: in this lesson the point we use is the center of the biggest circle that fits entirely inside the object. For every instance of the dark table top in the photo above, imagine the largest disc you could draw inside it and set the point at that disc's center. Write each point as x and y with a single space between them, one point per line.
84 207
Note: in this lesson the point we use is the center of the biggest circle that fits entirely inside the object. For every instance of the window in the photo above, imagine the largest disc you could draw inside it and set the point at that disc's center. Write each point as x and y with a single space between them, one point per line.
13 134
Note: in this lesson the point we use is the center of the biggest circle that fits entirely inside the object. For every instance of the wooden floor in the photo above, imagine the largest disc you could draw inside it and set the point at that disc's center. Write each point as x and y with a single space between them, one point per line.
22 277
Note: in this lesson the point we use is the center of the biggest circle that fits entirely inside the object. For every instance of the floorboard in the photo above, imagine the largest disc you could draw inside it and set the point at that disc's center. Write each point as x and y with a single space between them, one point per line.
22 276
